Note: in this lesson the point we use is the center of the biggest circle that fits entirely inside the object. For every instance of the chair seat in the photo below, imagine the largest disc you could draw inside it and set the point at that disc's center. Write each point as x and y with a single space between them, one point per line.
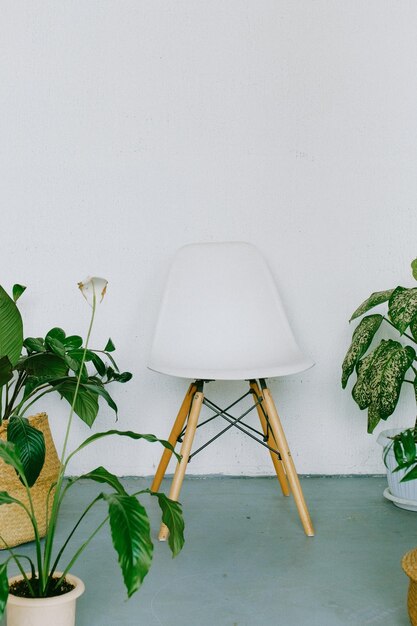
221 318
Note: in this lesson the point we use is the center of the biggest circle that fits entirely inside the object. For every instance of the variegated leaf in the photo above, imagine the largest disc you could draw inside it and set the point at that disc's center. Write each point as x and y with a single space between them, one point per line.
414 268
362 392
413 327
402 307
361 340
385 382
378 297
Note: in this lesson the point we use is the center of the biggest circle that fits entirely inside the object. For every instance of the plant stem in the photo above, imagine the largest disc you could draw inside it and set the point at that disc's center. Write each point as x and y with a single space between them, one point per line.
18 386
56 501
22 410
16 558
90 506
80 550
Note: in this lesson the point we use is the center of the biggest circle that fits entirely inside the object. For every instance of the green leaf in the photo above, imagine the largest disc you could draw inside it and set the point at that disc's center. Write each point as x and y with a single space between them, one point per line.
99 390
56 346
73 342
72 363
402 307
4 587
101 475
125 433
361 391
381 380
130 531
413 328
409 445
411 475
98 364
361 340
6 370
17 291
29 444
6 498
86 403
11 457
378 297
34 344
11 328
45 365
56 333
173 519
110 347
122 377
414 268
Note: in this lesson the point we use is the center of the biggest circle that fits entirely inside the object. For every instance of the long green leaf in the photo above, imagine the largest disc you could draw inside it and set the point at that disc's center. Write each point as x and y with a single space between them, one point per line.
402 307
45 365
101 391
29 444
4 588
361 340
101 475
86 402
378 297
130 531
11 328
6 370
124 433
11 457
173 519
6 498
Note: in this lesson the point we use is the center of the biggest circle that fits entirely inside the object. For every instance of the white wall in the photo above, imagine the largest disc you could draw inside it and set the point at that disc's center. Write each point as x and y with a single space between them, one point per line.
128 129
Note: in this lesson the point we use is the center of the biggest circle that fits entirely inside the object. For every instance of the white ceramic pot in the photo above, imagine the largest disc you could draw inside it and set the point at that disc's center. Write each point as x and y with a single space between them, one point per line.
404 495
57 611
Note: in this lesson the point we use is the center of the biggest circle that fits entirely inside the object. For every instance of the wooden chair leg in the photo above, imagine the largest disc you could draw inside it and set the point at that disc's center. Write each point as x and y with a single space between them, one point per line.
287 460
175 432
278 465
185 453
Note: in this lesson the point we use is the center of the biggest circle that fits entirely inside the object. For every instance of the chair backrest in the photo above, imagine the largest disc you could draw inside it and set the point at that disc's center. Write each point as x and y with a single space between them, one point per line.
221 317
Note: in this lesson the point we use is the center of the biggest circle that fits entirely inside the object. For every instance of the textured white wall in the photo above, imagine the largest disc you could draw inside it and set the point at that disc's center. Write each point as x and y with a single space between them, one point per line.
128 129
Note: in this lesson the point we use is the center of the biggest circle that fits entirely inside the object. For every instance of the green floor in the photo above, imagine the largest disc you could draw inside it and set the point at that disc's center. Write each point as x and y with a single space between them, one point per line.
247 562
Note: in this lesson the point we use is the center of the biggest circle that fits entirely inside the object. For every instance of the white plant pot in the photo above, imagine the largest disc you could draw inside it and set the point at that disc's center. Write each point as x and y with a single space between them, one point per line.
57 611
403 495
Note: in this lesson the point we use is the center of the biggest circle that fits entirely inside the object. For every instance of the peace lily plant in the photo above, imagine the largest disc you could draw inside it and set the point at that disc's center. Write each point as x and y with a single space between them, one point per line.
381 372
33 367
46 575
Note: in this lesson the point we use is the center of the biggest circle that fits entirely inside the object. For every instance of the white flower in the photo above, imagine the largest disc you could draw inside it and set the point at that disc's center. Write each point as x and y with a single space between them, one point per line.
93 287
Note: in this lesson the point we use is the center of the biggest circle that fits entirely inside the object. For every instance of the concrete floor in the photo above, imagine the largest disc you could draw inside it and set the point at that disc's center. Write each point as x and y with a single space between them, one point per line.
247 562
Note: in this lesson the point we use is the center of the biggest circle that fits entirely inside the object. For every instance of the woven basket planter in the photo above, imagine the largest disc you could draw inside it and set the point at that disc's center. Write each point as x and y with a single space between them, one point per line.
15 525
409 563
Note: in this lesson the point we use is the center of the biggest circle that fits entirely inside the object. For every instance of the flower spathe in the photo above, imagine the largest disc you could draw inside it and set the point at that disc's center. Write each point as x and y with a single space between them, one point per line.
93 289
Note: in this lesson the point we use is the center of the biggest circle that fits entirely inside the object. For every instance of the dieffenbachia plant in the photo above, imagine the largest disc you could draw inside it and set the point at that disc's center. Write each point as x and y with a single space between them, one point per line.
126 516
381 372
33 367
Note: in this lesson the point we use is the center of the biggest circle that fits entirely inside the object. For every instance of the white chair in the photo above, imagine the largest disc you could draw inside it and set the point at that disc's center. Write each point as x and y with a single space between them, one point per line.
221 318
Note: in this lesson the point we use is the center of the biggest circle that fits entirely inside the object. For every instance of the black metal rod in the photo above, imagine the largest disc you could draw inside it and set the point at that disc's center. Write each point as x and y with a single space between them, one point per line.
233 422
223 413
218 413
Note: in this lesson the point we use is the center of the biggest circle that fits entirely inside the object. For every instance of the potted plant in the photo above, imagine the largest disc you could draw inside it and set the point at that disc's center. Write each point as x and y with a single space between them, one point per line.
29 369
380 376
46 591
